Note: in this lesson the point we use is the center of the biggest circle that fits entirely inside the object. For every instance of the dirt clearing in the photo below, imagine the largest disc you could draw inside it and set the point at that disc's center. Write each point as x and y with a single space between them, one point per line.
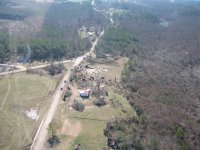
71 128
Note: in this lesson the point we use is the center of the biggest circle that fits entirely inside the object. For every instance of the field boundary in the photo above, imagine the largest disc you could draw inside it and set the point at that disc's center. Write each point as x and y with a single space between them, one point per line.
5 98
85 118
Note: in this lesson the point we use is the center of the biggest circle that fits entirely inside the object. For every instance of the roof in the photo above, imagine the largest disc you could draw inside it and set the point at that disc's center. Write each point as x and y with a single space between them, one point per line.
85 93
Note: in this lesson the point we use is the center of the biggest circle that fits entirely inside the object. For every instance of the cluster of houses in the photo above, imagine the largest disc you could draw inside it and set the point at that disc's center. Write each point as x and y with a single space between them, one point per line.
87 32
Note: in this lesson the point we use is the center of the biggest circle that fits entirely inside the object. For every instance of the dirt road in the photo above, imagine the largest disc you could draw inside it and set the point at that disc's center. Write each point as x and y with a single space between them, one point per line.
39 140
21 68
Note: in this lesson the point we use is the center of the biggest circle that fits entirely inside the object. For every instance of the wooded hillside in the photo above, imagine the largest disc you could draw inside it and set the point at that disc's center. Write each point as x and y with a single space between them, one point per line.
161 79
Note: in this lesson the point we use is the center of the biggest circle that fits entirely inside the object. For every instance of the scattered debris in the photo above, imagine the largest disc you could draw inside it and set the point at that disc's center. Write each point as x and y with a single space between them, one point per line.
196 71
115 103
32 114
5 68
78 106
96 71
18 109
164 23
100 101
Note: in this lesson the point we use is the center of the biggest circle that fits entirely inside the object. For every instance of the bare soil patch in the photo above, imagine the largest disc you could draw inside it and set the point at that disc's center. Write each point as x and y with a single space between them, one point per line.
71 129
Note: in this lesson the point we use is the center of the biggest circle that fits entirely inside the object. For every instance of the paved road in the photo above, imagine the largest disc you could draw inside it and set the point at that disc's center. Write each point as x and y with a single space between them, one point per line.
39 140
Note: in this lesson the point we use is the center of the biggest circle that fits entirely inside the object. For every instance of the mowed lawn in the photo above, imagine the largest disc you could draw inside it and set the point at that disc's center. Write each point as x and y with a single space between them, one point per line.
18 94
92 123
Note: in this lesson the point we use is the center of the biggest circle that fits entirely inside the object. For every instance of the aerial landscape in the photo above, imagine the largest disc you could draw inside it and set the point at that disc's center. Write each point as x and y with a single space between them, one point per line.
99 74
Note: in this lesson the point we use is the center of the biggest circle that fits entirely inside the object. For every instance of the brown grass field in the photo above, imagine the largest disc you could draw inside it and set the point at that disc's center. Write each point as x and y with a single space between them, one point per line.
18 94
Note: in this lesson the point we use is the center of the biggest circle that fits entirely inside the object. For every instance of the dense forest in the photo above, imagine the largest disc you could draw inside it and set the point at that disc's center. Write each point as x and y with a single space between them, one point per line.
4 47
161 79
13 14
115 39
49 29
49 49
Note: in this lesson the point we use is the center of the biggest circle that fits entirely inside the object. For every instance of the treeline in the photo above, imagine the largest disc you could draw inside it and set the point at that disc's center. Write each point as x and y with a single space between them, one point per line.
3 2
41 48
5 51
9 10
52 49
8 13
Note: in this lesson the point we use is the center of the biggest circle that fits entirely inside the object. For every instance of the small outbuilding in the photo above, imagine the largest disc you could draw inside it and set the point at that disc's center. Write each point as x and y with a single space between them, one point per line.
85 93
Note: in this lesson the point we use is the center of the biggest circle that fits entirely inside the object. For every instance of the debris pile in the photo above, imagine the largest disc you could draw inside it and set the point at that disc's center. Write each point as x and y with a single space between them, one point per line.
32 114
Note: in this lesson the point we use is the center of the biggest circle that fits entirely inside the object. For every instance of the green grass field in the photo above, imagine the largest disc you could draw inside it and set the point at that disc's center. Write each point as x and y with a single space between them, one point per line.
93 120
20 93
